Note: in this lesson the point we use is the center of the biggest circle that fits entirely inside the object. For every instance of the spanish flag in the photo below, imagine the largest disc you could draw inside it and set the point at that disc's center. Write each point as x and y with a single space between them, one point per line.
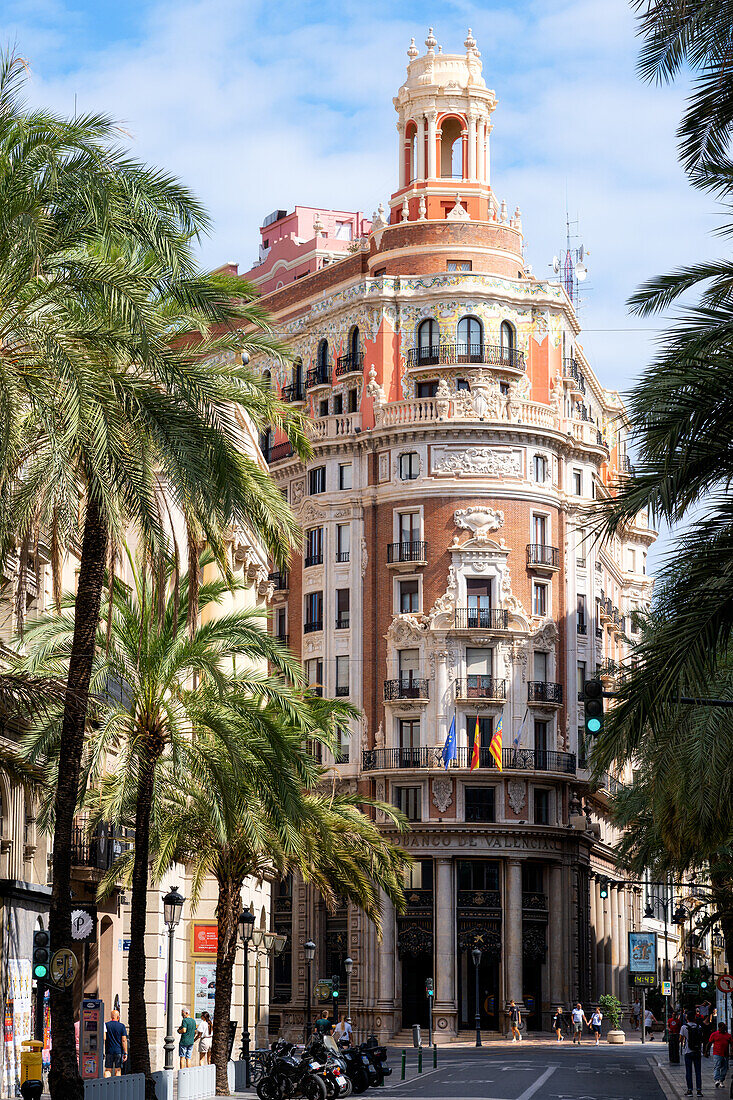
495 746
476 747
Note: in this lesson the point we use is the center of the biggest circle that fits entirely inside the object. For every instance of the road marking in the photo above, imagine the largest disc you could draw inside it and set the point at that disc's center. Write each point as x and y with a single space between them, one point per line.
538 1084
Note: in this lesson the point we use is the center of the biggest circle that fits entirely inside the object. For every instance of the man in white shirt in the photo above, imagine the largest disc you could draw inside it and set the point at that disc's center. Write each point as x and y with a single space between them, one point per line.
578 1021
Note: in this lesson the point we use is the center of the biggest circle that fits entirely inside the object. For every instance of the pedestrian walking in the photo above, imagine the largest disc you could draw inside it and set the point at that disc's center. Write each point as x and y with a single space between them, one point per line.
578 1021
557 1023
204 1031
324 1023
187 1031
649 1021
595 1024
691 1035
673 1031
635 1015
720 1043
342 1033
115 1045
515 1019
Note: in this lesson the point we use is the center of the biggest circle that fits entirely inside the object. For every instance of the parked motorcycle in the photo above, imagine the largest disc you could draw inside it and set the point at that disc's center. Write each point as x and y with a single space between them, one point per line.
324 1050
289 1075
377 1056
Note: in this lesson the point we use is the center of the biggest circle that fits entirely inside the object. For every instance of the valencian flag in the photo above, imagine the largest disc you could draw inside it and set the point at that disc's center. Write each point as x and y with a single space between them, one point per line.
476 747
495 746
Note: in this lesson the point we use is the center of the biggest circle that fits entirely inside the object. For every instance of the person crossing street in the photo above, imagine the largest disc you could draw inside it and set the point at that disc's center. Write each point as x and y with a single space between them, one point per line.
578 1021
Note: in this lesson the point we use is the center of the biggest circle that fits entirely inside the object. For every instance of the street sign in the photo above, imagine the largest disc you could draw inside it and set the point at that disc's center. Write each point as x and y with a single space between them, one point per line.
645 980
690 987
83 924
666 989
725 983
64 966
323 988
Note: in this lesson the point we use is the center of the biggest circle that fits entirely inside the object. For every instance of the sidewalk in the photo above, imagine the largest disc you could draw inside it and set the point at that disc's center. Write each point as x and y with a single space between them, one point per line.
672 1078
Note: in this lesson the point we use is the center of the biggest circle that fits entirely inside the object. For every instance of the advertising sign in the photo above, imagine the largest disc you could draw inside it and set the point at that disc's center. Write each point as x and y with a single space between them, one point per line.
204 939
204 988
643 952
91 1038
666 989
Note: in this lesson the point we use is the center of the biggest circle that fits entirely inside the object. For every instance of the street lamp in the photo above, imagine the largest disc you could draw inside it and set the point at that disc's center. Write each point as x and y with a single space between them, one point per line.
348 967
246 928
172 909
309 950
476 956
657 902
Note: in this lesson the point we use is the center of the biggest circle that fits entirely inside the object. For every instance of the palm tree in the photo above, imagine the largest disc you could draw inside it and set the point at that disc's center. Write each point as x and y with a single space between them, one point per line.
236 819
104 408
155 686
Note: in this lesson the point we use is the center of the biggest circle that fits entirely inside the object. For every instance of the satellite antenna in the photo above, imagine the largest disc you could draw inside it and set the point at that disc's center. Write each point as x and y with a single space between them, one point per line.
570 264
556 264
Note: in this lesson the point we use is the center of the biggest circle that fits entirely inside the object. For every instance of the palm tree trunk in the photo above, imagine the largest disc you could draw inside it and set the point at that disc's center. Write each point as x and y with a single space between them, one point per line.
722 889
136 964
64 1080
227 914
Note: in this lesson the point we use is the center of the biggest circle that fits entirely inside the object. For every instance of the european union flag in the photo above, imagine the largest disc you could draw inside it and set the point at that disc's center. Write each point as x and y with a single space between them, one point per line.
450 751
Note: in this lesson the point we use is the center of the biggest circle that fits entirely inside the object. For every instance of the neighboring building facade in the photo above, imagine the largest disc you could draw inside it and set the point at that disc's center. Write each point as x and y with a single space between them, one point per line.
459 433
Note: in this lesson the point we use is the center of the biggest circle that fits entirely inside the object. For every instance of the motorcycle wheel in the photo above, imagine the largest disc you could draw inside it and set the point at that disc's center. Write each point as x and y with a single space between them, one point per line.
360 1084
268 1089
348 1087
314 1088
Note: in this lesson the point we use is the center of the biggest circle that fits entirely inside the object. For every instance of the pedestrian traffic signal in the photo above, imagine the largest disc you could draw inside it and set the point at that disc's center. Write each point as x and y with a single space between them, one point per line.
593 692
429 986
604 888
41 955
335 986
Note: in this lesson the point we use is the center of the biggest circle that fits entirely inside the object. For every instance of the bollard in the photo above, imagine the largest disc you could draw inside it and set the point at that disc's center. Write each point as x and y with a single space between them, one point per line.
404 1063
435 1055
419 1059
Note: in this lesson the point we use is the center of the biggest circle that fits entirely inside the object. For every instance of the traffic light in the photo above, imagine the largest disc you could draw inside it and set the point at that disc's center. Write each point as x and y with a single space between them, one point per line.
41 955
705 977
604 888
429 986
593 692
335 986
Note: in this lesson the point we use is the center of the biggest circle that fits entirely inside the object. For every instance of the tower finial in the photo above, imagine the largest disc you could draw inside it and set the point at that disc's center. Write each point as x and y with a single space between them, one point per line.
470 42
412 51
431 41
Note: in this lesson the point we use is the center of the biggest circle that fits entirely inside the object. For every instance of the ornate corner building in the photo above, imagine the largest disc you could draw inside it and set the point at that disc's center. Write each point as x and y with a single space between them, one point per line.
447 575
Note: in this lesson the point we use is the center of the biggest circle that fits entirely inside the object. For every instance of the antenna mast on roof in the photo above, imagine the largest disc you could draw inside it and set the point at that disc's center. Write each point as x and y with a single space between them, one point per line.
570 264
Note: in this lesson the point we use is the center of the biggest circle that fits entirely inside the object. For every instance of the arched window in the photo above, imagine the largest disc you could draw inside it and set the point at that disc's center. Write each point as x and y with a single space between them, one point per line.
508 343
410 152
470 340
267 379
451 149
428 342
355 345
323 353
296 388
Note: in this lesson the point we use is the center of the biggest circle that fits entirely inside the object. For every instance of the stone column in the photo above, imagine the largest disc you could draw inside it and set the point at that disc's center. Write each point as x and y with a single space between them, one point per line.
445 948
386 956
613 900
472 147
432 125
556 936
513 930
464 154
600 933
623 948
420 168
607 925
594 940
439 152
401 153
17 833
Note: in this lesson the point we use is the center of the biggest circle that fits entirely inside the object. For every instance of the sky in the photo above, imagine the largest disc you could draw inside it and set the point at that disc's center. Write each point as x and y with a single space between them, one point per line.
259 105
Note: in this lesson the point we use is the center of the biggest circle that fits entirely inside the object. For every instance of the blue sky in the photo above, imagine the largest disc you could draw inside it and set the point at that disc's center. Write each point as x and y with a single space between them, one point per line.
258 105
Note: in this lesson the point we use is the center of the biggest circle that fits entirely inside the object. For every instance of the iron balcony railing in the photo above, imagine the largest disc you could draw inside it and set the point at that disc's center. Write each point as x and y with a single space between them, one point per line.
343 555
582 627
481 618
314 559
441 354
479 899
349 364
342 690
407 551
293 392
480 687
538 691
342 622
280 580
312 626
278 452
318 376
539 554
409 687
562 763
571 370
534 901
283 639
100 850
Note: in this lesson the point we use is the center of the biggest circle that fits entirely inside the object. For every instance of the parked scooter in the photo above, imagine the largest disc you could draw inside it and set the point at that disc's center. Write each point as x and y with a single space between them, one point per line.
289 1075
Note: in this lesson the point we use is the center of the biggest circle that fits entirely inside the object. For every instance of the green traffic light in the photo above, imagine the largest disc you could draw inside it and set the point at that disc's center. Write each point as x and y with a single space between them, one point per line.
703 985
40 971
335 992
593 725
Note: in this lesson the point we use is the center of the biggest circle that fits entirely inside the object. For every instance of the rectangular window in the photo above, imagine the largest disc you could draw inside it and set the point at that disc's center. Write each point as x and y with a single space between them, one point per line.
578 482
343 541
343 735
409 466
345 469
632 560
539 599
281 623
323 407
409 733
419 875
338 404
343 231
409 527
540 666
409 801
539 468
343 601
458 265
581 619
541 807
539 530
409 596
342 676
485 732
541 737
533 879
317 480
409 665
353 401
314 546
314 675
313 612
581 678
480 803
426 389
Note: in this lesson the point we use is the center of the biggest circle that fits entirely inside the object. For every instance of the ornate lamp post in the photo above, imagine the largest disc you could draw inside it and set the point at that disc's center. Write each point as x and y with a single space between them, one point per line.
309 950
246 929
655 903
348 967
172 909
476 956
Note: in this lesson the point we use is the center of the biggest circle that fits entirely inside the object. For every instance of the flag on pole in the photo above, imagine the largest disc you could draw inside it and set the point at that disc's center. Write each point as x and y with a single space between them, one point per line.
449 748
518 737
476 746
495 746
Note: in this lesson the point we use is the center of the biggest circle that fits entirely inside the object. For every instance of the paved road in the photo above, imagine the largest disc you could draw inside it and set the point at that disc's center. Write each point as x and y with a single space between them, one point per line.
544 1071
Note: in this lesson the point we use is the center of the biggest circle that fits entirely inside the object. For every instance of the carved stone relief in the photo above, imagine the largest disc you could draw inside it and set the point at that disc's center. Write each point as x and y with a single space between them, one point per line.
517 792
364 557
479 521
476 460
297 490
442 794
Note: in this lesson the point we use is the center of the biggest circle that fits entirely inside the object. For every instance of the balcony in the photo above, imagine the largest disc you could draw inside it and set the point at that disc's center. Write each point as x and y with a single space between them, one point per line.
313 559
447 355
534 902
342 691
479 900
312 626
342 622
293 393
280 580
405 688
343 556
582 628
407 553
538 691
282 639
523 760
278 452
543 557
98 851
571 371
481 618
318 376
480 687
349 364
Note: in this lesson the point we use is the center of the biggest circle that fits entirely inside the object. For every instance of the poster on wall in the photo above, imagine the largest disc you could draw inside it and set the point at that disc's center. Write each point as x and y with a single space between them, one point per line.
204 988
642 952
204 939
16 1023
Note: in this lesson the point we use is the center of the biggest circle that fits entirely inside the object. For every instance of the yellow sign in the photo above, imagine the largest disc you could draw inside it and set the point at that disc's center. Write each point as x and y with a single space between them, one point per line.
64 966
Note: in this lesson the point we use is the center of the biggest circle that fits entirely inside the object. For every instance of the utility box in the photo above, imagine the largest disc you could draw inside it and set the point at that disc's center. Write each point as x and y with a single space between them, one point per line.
416 1036
31 1060
91 1039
